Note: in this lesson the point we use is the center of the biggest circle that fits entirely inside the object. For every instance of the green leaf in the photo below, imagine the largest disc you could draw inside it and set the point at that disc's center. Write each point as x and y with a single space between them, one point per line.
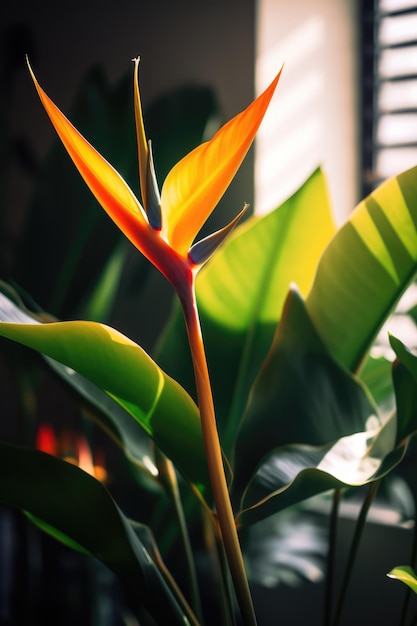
112 416
301 396
240 294
365 269
296 473
310 425
82 514
100 301
376 376
405 385
126 374
406 575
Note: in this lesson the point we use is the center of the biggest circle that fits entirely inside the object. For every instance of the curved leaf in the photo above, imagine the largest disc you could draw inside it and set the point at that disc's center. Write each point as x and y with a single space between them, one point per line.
240 295
406 575
301 397
82 514
135 442
376 375
405 385
365 269
295 444
127 374
294 475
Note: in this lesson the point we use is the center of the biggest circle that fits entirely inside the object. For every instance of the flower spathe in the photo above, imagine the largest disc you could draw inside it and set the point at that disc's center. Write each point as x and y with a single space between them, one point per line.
164 228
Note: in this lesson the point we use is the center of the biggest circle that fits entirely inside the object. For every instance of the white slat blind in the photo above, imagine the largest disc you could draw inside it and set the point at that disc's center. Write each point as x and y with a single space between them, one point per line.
395 99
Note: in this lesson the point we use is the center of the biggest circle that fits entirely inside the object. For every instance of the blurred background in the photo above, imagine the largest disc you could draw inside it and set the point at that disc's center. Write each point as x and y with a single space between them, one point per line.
347 100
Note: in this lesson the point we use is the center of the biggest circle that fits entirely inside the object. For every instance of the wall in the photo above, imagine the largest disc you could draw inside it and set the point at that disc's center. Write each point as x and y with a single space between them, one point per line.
313 119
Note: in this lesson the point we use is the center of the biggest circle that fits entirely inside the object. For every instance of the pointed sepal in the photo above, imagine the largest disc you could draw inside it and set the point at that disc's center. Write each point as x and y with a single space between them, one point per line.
143 153
153 199
201 251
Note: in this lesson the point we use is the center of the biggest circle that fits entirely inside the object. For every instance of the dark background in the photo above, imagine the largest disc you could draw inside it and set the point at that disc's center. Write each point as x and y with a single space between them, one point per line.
184 42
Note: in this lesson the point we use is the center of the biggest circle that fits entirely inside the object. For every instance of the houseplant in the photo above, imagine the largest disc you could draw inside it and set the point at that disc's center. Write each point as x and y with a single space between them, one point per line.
286 307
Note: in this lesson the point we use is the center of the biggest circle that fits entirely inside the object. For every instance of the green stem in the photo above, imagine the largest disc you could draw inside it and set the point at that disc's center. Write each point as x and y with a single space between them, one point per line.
331 556
168 475
408 592
177 592
360 525
215 551
215 462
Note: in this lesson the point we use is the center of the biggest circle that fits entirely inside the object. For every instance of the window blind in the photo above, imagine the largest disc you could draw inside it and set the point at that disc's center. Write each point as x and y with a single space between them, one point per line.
389 35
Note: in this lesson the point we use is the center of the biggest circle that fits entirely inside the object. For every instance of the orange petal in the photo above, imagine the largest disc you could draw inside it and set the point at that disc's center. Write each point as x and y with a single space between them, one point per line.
195 184
111 191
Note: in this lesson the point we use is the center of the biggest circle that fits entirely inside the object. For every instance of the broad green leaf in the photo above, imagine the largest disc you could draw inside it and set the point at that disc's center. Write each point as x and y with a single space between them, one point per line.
310 426
78 510
406 575
240 294
365 269
127 432
128 375
301 397
294 474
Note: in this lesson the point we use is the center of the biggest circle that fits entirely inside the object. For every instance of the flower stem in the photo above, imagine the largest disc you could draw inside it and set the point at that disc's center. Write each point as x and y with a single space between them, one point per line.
169 478
215 461
331 557
360 525
408 592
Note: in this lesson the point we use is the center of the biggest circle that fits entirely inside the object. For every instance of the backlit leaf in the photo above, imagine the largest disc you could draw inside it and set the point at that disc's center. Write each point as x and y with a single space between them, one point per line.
128 375
365 269
241 292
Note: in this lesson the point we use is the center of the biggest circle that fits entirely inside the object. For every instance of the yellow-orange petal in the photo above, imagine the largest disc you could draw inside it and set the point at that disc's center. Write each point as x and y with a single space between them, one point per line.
195 184
109 188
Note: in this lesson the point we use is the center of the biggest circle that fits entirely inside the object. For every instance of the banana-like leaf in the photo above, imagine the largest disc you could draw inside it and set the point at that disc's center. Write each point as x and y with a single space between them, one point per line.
82 514
294 444
128 375
240 294
365 269
406 575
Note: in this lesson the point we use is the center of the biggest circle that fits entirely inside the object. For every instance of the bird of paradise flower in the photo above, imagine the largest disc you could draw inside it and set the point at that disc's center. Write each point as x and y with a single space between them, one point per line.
163 228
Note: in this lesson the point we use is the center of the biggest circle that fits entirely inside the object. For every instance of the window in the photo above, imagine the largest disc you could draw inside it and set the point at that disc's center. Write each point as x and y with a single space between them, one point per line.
389 38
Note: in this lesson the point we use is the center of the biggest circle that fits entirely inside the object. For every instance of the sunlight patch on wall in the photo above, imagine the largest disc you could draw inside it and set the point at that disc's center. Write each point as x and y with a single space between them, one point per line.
312 118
